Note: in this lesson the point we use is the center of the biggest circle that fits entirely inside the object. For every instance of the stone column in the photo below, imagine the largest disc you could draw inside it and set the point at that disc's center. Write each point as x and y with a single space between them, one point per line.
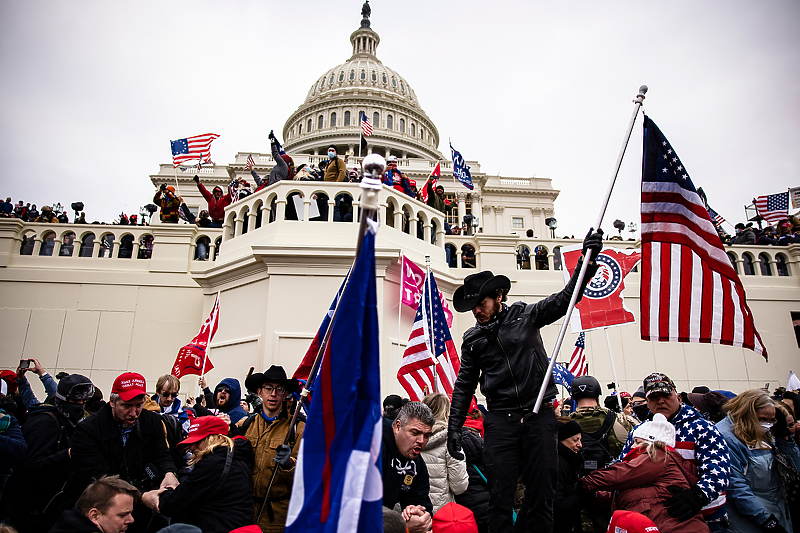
477 210
280 205
238 224
135 252
498 215
487 210
398 219
96 248
412 226
251 220
426 231
212 249
462 206
538 226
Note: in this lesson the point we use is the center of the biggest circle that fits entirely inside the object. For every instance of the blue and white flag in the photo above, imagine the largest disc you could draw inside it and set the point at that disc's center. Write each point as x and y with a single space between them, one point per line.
562 376
337 483
460 169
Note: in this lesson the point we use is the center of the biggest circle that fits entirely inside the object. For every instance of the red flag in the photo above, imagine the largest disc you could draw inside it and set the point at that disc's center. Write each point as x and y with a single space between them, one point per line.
437 173
193 358
602 304
412 280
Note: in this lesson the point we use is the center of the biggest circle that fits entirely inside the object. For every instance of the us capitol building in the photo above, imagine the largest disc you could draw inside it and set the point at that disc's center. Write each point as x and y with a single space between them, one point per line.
101 300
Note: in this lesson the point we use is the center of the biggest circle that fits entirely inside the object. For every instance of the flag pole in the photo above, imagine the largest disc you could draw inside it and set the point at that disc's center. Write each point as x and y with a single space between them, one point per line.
208 344
431 333
373 167
585 264
613 369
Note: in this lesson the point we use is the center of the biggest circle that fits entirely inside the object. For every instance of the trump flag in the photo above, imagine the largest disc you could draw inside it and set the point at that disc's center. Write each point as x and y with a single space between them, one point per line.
337 481
411 284
602 304
193 358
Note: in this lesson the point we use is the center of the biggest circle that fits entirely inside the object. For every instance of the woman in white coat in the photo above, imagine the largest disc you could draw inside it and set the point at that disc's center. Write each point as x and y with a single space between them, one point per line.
448 476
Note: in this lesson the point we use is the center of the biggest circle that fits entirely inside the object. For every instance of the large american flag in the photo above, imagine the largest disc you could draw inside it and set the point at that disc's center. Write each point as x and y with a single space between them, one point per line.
416 373
577 363
689 290
773 207
191 148
366 125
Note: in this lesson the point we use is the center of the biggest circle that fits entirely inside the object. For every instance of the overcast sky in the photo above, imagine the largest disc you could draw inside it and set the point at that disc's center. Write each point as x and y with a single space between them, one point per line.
92 91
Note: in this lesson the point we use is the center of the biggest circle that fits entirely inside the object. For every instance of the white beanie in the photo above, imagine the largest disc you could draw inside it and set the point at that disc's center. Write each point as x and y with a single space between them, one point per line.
659 429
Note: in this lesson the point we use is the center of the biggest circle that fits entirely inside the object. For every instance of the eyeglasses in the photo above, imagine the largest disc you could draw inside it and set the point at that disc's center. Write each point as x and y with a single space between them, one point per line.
269 389
169 394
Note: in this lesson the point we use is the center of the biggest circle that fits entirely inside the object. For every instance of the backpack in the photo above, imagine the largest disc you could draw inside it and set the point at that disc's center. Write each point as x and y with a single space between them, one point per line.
594 454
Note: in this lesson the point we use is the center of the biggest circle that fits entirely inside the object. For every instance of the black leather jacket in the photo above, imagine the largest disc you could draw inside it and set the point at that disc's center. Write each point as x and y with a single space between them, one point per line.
510 365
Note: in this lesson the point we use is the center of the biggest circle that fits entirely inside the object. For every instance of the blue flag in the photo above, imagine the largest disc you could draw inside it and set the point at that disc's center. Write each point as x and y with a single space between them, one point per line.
460 169
563 376
337 482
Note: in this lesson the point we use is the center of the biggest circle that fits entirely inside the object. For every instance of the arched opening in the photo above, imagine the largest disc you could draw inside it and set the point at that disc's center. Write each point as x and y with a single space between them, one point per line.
376 120
523 257
203 246
734 264
106 245
145 247
320 121
413 129
749 270
333 119
217 245
406 218
467 256
557 264
257 207
67 244
391 209
541 258
763 259
245 218
402 125
48 244
782 265
310 122
126 246
451 255
300 129
420 226
389 122
87 245
28 241
294 206
343 208
347 118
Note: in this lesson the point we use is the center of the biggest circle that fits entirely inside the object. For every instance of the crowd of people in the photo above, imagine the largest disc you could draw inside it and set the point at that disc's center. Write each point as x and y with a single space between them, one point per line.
783 233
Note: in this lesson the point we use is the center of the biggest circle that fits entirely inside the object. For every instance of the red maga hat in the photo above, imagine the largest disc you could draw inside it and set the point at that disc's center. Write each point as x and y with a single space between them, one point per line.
630 522
454 518
129 385
204 426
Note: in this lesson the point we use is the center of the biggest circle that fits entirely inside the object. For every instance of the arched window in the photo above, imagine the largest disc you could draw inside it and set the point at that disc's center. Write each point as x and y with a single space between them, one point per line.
145 247
341 76
451 255
363 75
402 125
394 82
26 247
374 76
106 246
763 258
376 120
126 247
333 119
67 245
347 118
309 125
413 129
217 245
352 74
87 245
319 122
422 134
523 257
202 249
780 263
748 265
557 264
300 129
467 256
734 264
540 258
330 81
402 87
48 244
388 122
384 79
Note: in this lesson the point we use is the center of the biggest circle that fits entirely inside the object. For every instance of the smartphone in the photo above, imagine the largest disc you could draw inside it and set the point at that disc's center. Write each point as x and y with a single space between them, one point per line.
25 363
766 386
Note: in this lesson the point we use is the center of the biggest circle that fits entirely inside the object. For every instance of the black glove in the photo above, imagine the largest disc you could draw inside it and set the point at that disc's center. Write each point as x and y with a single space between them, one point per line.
593 242
454 444
772 525
781 428
284 456
196 178
163 187
686 503
271 135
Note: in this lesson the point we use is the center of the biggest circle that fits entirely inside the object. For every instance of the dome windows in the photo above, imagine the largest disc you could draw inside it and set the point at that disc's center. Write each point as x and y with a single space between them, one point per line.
384 79
309 126
341 76
347 118
413 129
363 75
374 76
320 122
333 119
330 81
389 122
352 75
402 87
402 125
376 120
394 82
300 129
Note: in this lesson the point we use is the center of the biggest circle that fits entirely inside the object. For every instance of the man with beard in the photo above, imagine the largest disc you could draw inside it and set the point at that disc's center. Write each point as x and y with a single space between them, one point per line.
405 476
48 432
122 439
225 400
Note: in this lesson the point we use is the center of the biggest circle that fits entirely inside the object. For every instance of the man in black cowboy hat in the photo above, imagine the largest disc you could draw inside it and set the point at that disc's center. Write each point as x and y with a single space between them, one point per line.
505 353
264 429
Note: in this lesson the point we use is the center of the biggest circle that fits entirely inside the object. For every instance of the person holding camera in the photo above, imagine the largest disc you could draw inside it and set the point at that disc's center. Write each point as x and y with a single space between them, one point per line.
169 203
26 394
122 439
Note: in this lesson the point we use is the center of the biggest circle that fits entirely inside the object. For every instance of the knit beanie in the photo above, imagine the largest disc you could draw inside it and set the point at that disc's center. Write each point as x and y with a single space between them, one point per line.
454 518
570 429
658 429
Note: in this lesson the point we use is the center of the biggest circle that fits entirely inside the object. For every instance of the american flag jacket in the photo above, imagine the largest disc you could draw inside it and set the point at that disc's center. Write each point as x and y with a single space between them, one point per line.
699 441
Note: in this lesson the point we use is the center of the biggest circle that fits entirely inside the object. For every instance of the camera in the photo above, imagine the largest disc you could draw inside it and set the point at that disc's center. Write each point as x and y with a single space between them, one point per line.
611 385
163 187
77 206
25 363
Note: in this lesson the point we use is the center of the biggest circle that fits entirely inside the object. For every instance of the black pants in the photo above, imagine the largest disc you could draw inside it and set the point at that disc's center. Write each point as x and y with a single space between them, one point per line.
527 445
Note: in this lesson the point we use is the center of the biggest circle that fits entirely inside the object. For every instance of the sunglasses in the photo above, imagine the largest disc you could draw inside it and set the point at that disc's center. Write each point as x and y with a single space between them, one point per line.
169 394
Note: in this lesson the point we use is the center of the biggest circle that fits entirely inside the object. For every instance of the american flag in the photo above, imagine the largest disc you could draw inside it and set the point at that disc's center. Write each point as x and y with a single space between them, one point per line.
250 163
716 218
190 148
577 363
689 290
773 207
416 373
366 125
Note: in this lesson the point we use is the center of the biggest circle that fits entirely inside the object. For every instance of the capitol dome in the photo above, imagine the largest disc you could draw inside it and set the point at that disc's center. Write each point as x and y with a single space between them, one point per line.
334 103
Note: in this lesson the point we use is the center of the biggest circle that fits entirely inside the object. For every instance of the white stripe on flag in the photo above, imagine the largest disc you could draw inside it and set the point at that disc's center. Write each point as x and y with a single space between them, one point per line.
675 290
655 289
697 297
719 296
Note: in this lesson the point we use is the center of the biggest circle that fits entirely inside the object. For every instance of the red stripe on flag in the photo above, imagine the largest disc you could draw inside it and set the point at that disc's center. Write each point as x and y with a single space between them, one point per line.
644 296
707 315
663 319
685 306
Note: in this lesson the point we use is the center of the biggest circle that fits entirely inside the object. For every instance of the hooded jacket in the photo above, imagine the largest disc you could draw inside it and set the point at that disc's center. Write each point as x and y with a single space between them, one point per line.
233 409
216 208
206 500
510 361
447 476
395 470
567 503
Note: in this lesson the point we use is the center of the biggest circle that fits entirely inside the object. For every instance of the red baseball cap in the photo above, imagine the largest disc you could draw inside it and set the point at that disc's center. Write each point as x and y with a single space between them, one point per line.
454 518
10 377
204 426
129 385
630 522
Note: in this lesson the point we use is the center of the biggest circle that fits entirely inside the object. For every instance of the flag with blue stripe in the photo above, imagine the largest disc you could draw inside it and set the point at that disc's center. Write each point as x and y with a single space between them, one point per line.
337 484
460 169
562 376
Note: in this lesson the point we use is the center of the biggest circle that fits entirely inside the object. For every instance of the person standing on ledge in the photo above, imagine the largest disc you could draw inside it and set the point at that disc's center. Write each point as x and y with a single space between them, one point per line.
505 353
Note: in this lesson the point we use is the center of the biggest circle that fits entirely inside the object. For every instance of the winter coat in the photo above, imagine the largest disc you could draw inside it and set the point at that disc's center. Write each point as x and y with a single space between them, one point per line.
476 497
336 170
206 500
216 208
755 491
447 476
746 236
48 435
13 448
97 450
642 484
396 469
233 409
279 172
699 441
510 362
169 204
74 521
265 438
567 503
433 199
